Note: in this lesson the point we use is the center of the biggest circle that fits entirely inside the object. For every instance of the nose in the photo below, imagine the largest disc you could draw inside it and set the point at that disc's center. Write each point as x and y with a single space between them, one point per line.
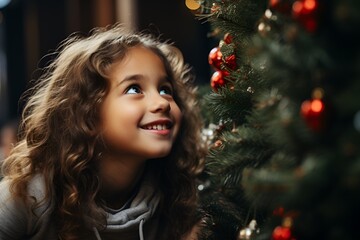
159 104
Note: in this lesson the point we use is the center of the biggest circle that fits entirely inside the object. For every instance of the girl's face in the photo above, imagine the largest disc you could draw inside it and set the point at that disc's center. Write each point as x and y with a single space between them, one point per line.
139 117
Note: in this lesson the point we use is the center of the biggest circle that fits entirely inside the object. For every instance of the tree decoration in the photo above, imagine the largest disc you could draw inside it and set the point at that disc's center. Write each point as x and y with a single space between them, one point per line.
284 232
215 8
249 231
217 144
223 56
314 111
306 12
215 58
272 147
218 80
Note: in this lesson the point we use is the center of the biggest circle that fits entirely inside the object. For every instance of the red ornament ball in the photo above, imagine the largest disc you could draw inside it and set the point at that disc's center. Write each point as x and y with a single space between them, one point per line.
217 80
215 58
306 12
215 8
313 112
282 233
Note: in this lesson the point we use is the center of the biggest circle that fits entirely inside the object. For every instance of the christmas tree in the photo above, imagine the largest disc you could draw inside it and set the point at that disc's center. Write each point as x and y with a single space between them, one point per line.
283 120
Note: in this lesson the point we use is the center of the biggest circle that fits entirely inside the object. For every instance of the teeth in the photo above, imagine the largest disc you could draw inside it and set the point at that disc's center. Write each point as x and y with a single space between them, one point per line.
157 127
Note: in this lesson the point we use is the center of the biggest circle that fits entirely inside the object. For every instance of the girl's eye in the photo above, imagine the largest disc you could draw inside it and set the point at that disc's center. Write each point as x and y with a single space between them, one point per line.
166 90
133 89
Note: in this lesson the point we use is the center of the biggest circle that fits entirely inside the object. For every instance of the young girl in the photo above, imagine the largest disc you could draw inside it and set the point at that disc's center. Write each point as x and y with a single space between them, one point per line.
110 146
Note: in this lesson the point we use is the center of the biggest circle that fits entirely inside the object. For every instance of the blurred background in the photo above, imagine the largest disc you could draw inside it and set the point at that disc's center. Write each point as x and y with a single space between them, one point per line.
30 30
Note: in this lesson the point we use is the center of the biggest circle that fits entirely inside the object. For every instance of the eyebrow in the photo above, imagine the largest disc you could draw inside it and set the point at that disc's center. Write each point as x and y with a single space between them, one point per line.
138 77
135 77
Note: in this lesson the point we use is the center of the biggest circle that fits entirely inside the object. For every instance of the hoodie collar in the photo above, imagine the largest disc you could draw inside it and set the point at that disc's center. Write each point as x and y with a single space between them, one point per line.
136 211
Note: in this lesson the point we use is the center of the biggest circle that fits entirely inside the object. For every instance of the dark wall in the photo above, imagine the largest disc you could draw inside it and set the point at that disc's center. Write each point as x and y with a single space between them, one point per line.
14 49
174 21
33 30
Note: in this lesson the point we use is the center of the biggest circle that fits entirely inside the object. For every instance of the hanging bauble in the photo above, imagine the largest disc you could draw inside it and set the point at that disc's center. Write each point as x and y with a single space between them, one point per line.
215 8
193 5
306 13
282 233
228 38
215 58
315 112
218 80
282 6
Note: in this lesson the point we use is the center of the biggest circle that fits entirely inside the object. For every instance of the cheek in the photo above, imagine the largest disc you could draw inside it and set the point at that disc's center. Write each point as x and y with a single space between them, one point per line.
119 124
121 117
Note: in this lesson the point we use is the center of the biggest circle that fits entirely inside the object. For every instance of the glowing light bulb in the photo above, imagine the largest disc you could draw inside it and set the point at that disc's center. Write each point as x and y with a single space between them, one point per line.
317 105
310 4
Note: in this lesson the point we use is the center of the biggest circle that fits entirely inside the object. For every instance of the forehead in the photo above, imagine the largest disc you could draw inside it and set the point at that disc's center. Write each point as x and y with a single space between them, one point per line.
140 53
139 60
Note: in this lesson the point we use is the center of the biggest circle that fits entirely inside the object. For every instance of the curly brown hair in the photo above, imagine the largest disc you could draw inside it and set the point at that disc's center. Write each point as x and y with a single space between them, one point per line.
61 135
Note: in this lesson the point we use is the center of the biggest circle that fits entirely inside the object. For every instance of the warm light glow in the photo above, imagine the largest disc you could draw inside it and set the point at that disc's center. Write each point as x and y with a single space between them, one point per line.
297 7
317 106
274 2
268 13
261 26
309 5
287 222
192 4
305 107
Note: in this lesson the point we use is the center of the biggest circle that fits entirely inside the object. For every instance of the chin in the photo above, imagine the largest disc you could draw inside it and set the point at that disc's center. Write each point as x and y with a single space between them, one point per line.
159 154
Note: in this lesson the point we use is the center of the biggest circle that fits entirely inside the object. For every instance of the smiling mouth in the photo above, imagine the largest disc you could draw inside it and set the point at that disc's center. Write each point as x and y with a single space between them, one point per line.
159 125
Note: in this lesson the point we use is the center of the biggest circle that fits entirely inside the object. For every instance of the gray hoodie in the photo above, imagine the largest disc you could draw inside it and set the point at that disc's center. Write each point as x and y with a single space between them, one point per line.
133 221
